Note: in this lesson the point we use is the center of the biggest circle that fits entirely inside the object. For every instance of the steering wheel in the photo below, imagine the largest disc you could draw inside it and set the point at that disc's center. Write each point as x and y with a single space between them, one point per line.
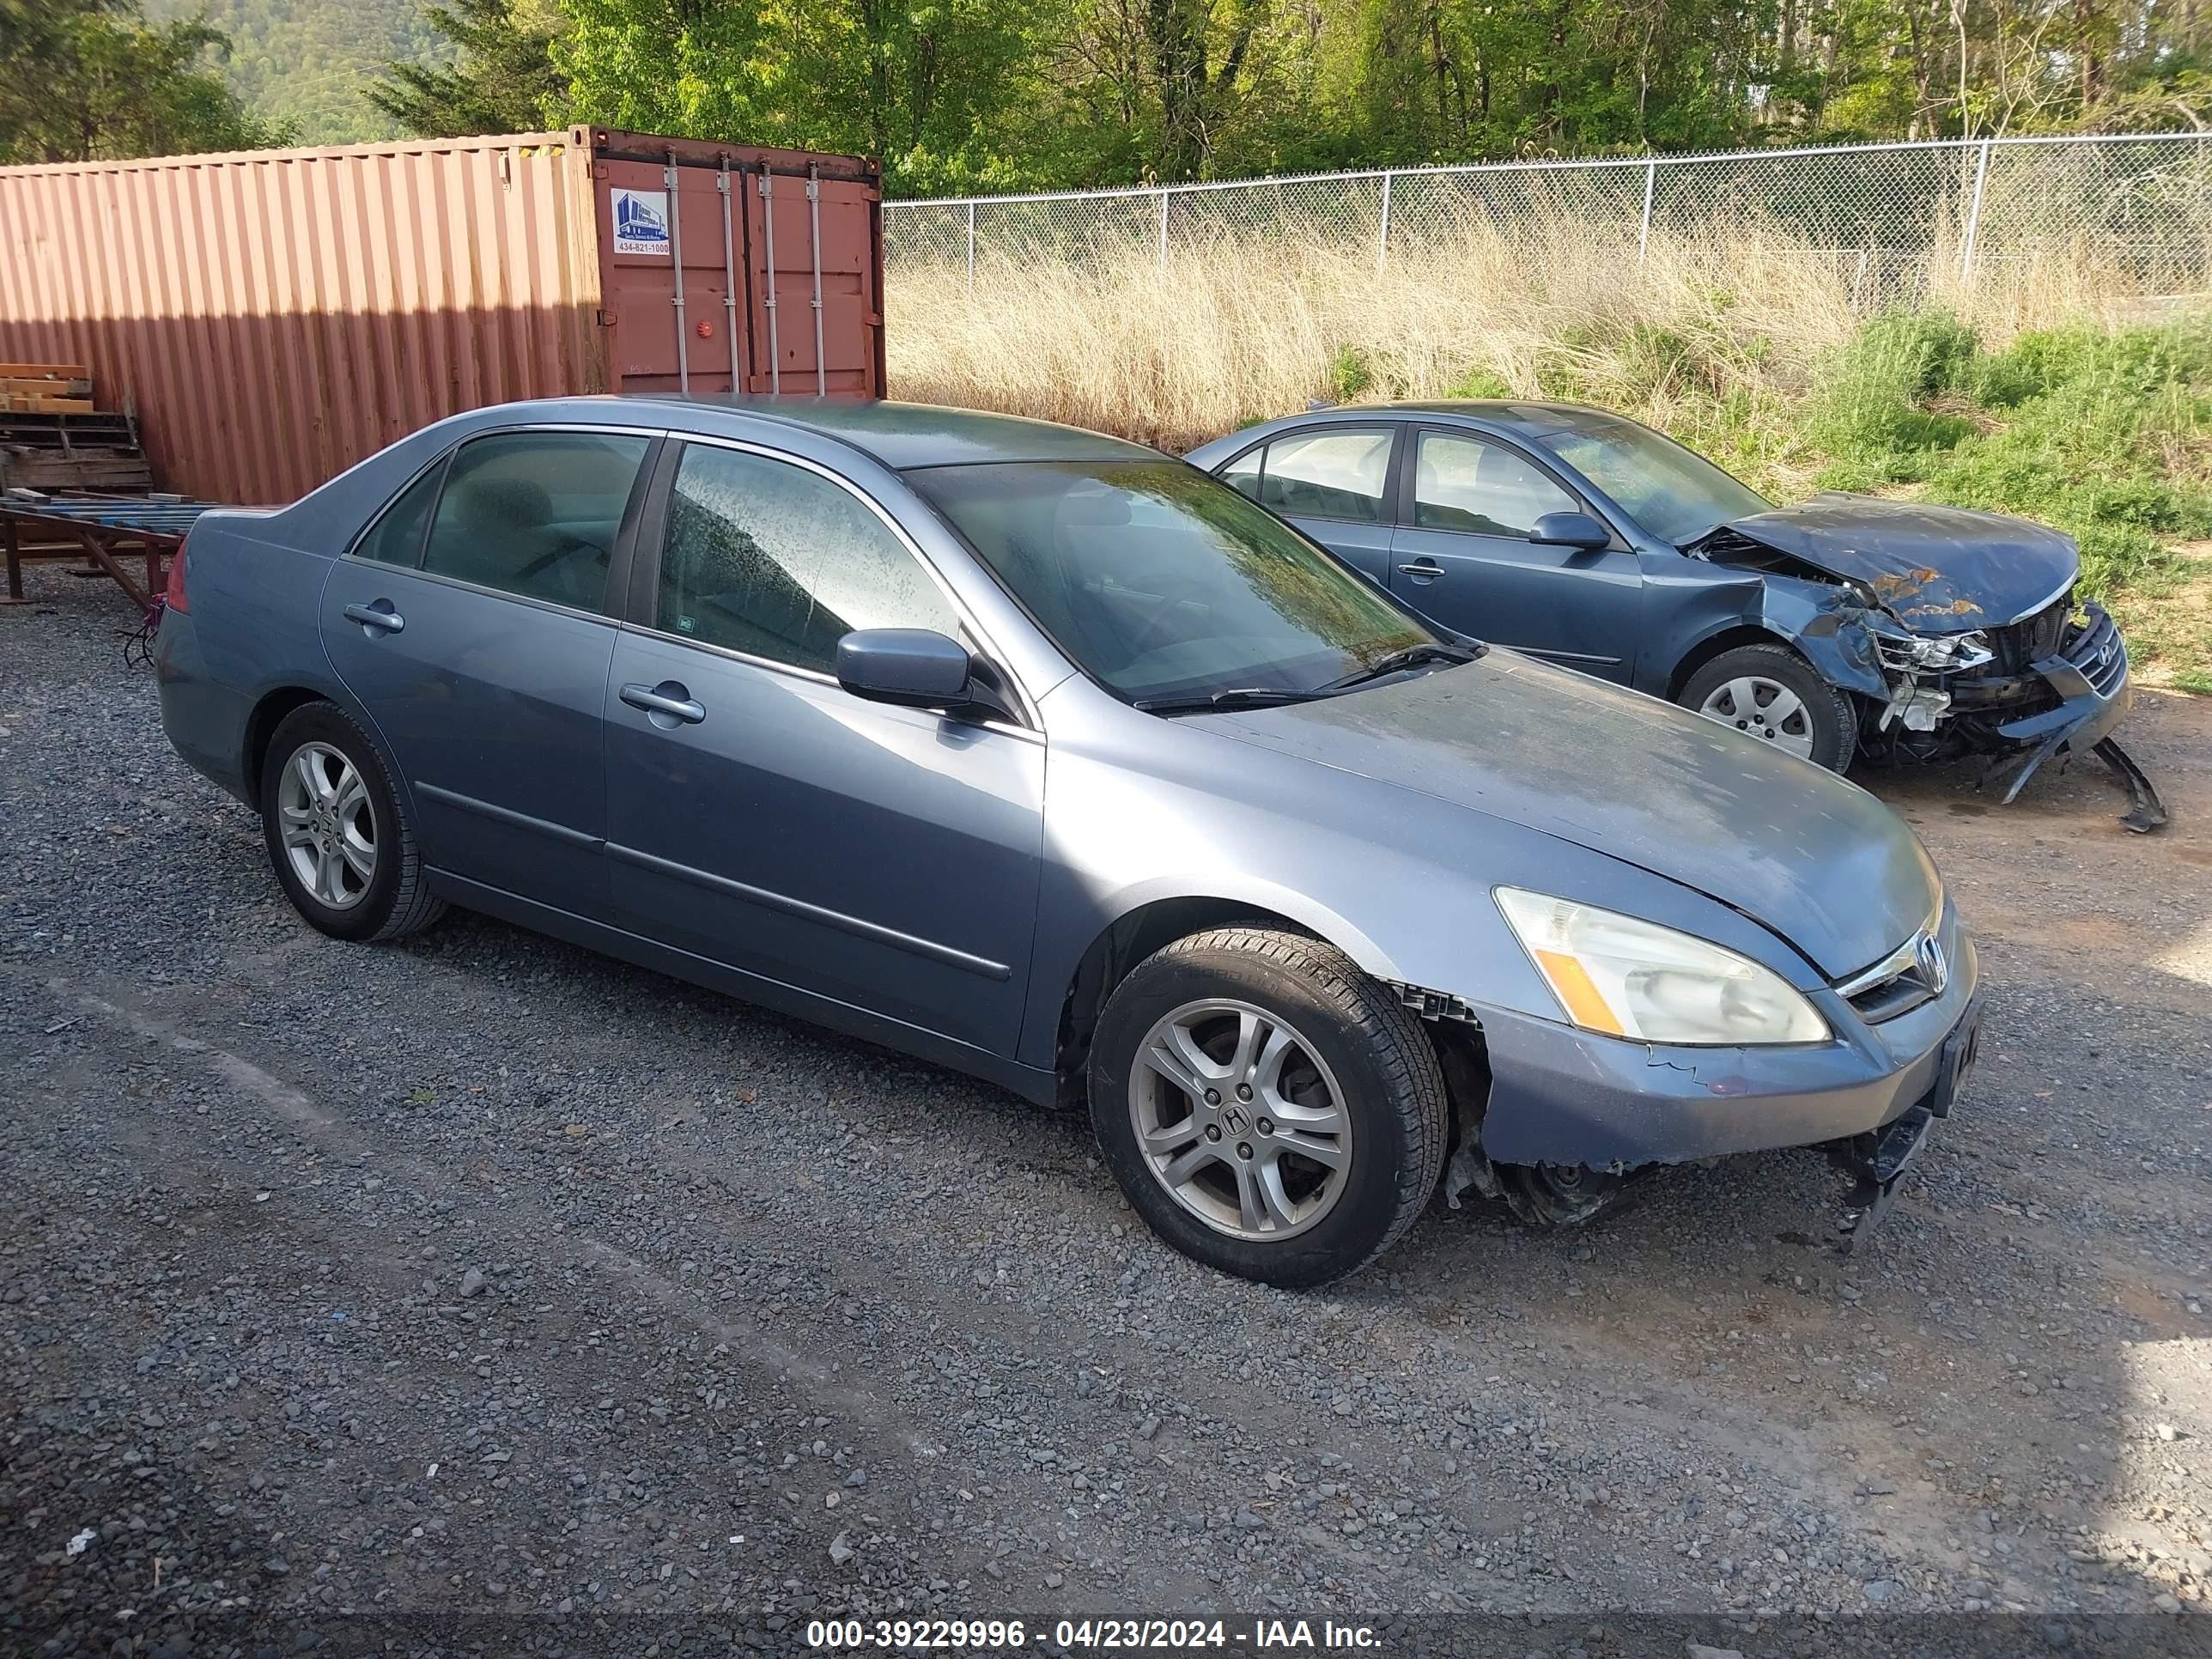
1179 589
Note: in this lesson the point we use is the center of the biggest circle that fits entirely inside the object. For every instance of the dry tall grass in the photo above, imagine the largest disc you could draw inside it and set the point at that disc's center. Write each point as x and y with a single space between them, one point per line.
1698 333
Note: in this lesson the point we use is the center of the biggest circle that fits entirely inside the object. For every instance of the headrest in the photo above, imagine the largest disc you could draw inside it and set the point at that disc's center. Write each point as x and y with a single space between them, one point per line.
1093 507
505 504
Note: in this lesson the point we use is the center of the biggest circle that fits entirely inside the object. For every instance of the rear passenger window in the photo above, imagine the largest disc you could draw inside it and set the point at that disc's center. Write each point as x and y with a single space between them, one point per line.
777 561
1243 474
398 536
536 513
1327 475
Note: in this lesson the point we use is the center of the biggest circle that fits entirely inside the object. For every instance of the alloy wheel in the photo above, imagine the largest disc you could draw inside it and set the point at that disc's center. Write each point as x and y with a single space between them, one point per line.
329 829
1763 708
1240 1119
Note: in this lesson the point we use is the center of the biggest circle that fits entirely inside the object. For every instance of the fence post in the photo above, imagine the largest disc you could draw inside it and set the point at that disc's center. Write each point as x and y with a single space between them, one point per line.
971 247
1974 215
1382 241
1644 234
1164 228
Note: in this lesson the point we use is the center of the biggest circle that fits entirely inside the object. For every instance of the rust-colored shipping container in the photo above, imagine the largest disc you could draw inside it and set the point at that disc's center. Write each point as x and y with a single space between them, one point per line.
274 316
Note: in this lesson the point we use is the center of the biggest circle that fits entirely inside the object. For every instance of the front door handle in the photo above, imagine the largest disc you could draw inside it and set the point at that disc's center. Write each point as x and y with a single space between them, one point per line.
378 617
1423 569
667 705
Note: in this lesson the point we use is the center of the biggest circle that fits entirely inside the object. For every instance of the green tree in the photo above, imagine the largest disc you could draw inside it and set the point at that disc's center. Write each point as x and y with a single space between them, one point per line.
92 80
503 79
923 84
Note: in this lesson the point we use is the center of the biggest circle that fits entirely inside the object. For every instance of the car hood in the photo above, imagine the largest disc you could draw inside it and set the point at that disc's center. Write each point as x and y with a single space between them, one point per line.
1936 569
1813 858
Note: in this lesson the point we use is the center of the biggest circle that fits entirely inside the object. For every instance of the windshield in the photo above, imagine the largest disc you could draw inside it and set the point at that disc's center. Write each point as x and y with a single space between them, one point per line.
1671 492
1165 583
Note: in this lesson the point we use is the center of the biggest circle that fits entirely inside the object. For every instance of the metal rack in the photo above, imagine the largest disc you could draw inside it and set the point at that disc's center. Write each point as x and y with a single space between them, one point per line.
102 531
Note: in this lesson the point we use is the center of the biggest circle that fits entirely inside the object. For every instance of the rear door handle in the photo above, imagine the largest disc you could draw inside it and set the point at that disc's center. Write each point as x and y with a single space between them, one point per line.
377 617
1427 567
667 705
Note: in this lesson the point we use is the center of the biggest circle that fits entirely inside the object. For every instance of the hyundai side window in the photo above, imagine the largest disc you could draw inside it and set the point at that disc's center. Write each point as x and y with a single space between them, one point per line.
777 561
1486 489
1327 475
1242 475
536 513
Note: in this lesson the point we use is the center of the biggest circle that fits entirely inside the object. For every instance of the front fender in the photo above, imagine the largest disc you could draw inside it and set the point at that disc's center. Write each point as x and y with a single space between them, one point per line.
1695 603
1827 626
1399 881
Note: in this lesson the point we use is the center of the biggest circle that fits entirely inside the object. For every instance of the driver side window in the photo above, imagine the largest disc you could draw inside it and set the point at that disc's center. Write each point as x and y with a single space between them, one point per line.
536 513
775 561
1465 484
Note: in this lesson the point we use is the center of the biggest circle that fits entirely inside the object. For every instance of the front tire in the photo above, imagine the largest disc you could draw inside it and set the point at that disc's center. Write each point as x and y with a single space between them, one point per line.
1268 1109
1771 693
342 851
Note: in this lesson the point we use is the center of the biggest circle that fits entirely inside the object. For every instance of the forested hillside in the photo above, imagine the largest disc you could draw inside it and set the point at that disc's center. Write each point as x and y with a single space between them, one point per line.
310 61
958 95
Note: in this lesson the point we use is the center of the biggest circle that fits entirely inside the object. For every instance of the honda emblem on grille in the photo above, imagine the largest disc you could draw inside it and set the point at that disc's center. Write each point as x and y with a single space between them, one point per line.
1928 958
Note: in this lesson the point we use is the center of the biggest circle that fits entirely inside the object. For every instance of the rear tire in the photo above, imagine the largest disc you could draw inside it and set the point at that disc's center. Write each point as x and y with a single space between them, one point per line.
343 850
1268 1109
1771 693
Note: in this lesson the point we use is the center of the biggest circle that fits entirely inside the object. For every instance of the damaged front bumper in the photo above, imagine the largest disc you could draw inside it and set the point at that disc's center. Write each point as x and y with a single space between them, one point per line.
1562 1097
2066 703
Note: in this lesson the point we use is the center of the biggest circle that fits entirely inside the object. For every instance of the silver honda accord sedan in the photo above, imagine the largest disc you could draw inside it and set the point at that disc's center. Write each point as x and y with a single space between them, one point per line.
1048 758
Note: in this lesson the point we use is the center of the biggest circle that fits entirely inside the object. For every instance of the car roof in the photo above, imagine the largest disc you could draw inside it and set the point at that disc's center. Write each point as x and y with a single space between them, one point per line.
1530 420
903 435
1527 416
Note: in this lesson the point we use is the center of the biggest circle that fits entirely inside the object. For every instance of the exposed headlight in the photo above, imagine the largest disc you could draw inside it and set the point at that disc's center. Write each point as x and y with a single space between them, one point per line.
1634 979
1942 653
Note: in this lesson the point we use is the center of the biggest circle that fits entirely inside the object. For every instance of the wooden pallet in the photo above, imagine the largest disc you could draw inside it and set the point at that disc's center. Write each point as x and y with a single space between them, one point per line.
16 402
15 386
44 372
49 429
97 468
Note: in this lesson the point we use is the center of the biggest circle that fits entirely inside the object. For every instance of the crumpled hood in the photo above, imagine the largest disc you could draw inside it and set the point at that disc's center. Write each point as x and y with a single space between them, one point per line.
1936 569
1816 860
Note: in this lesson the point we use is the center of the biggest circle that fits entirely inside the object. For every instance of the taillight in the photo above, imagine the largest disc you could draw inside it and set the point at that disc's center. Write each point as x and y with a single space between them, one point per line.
173 596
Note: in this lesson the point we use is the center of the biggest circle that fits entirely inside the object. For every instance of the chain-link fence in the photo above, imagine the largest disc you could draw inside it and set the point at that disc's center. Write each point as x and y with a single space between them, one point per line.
1889 215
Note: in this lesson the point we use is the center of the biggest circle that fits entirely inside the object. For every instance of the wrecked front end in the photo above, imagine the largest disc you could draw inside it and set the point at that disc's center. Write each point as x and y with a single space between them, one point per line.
2055 682
1560 1124
1959 633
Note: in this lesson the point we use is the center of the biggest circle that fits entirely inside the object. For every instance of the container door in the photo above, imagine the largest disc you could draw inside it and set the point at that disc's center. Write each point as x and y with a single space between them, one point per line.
649 228
797 348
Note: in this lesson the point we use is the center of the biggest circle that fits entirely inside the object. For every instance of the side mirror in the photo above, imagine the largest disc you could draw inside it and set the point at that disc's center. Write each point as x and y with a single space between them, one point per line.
919 668
916 667
1576 530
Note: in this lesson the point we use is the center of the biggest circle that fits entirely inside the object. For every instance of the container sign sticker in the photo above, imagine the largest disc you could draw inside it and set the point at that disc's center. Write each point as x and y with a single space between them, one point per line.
641 222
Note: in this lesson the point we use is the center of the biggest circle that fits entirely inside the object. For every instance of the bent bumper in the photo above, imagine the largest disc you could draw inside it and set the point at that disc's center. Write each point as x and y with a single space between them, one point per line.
2093 687
1562 1095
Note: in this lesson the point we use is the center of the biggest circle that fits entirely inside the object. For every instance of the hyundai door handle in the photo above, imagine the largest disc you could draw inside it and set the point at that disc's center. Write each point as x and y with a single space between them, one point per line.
1421 568
669 704
380 617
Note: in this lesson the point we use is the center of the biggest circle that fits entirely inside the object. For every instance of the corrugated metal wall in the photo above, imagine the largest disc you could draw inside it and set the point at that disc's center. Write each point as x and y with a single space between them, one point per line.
276 316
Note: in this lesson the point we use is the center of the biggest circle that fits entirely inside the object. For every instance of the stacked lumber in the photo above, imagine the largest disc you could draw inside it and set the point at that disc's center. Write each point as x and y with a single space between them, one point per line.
45 389
55 436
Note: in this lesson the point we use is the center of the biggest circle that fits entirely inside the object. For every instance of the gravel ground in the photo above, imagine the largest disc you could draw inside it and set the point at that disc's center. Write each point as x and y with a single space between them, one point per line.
479 1293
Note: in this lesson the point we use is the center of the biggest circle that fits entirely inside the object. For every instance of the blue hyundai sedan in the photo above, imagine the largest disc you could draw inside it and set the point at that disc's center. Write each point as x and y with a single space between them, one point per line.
1053 760
1843 626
